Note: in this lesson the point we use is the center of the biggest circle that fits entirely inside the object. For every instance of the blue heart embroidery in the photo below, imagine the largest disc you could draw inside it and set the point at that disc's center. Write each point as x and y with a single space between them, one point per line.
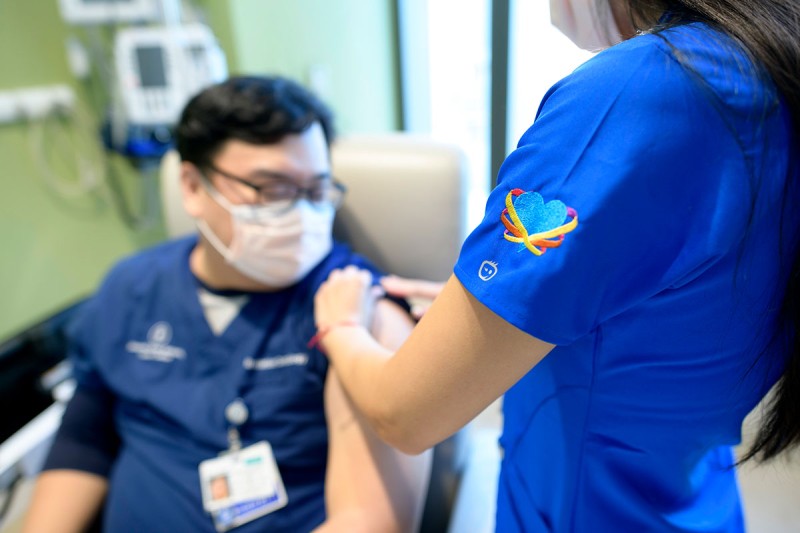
537 216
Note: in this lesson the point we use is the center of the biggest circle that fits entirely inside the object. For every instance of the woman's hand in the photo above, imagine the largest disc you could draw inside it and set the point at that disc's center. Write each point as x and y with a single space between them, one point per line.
419 293
347 297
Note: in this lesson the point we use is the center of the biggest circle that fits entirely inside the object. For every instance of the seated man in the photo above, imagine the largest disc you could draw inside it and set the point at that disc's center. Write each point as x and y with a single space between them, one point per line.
193 361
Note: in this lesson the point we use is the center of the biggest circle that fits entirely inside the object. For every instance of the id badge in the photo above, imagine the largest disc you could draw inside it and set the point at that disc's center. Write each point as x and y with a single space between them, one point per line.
241 486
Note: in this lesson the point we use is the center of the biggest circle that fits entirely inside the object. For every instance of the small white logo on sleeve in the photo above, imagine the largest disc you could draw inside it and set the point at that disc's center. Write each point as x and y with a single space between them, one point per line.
487 270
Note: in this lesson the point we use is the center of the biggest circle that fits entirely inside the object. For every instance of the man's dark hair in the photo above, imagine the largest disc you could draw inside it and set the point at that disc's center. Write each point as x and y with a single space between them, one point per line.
253 109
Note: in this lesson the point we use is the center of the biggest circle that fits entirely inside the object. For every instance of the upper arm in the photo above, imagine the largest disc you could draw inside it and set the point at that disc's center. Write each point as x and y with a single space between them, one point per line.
369 483
457 361
87 439
65 501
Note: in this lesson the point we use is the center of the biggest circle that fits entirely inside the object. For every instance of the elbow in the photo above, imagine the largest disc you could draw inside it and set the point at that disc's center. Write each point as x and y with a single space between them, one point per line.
401 432
405 443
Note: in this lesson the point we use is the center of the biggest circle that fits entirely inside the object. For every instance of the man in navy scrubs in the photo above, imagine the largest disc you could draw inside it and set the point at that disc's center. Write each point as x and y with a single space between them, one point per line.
193 363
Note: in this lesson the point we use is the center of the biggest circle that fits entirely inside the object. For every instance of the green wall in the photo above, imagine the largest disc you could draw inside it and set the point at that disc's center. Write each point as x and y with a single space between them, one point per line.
347 45
55 248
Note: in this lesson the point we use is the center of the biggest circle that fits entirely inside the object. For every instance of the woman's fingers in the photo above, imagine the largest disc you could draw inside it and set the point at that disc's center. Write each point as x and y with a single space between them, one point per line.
411 288
419 293
346 297
349 296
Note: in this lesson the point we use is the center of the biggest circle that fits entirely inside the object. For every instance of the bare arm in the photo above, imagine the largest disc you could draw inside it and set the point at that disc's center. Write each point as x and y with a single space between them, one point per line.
370 486
459 358
71 489
64 501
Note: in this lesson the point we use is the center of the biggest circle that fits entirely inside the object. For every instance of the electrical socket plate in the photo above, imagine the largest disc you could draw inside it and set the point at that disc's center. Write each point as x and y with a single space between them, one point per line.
32 103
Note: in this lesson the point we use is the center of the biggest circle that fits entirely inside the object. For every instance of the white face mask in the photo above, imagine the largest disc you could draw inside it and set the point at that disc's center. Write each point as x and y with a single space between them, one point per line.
277 250
588 23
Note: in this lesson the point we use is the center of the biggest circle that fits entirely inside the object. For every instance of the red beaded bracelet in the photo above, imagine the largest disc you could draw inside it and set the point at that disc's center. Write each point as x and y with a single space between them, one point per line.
315 340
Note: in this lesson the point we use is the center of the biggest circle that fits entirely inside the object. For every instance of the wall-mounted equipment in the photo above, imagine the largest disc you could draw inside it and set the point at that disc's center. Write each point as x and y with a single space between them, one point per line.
160 68
160 55
157 69
87 12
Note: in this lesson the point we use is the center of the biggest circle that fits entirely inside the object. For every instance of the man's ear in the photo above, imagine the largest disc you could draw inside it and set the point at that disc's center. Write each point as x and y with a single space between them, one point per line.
192 190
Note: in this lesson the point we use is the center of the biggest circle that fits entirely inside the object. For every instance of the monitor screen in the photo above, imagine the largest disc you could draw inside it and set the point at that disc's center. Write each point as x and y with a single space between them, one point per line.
150 60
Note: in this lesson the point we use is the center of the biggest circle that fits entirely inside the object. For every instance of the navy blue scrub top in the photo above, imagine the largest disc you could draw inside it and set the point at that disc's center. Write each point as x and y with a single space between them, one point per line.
144 339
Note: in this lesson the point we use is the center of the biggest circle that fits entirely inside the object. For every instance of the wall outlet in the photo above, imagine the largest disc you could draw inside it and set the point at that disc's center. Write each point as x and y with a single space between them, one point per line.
9 109
33 103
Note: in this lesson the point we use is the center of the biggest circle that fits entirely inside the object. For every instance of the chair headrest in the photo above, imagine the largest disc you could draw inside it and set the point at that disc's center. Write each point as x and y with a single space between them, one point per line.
405 207
176 221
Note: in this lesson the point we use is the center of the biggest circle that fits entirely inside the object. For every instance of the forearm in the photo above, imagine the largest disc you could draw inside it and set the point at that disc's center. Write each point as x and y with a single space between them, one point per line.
64 501
457 361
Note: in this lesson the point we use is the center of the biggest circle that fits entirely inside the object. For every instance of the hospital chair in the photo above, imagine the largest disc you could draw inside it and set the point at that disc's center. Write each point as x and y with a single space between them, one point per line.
404 210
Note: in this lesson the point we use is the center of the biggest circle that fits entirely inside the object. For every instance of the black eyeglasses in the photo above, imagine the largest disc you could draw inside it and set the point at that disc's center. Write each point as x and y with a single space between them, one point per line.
281 193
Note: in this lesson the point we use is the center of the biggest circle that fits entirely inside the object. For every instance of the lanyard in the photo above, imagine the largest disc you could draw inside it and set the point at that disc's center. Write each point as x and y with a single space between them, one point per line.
236 413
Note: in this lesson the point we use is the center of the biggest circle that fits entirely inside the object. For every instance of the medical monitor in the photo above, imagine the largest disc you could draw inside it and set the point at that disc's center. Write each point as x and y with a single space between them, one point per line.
160 68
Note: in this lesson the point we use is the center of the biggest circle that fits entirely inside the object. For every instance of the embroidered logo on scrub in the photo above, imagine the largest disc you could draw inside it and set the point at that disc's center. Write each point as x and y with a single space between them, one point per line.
534 224
487 270
157 347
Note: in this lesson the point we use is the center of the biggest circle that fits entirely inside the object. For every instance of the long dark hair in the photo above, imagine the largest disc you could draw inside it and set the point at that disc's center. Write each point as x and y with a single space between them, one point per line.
768 32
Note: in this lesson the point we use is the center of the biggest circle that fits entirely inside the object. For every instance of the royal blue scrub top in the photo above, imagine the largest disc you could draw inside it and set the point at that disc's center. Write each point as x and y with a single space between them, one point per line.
143 340
650 190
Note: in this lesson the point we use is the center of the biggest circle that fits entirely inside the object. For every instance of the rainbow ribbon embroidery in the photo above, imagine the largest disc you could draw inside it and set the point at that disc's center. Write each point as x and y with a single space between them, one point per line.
534 224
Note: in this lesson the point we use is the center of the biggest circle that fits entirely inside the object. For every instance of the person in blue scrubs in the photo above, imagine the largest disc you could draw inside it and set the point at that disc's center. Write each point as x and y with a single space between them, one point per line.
200 403
633 287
